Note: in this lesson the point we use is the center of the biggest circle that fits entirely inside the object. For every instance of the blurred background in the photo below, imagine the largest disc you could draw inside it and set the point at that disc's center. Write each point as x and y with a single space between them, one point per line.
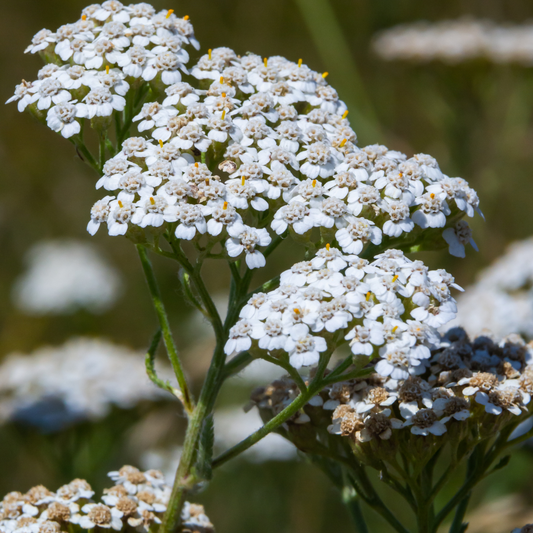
75 318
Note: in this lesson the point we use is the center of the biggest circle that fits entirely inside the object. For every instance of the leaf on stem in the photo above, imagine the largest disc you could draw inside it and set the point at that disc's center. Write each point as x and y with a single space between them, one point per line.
150 368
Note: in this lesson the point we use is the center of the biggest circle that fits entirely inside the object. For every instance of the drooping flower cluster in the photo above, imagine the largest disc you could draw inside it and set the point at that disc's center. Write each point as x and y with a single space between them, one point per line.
389 308
94 62
455 41
83 379
501 299
481 381
138 500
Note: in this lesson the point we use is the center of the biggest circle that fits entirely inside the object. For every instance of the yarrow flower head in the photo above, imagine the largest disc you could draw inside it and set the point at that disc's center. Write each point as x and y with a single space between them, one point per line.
137 500
388 310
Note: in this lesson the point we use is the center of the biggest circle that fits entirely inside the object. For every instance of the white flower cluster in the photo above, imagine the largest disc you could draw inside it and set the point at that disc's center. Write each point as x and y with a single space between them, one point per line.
274 130
92 63
137 500
389 308
63 276
475 380
455 41
82 379
501 299
286 169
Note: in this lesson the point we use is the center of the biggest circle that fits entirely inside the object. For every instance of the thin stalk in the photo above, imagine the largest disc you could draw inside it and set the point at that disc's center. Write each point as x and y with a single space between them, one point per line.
370 496
188 401
262 432
351 499
293 373
86 156
330 380
236 364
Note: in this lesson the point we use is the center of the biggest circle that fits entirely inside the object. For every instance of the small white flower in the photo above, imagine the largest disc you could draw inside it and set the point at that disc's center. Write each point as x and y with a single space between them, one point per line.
62 119
246 239
304 349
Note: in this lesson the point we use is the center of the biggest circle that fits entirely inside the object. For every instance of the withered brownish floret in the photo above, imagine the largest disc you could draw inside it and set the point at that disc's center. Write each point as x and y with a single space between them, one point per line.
484 381
58 512
127 505
378 425
424 418
455 405
410 390
100 515
376 395
38 493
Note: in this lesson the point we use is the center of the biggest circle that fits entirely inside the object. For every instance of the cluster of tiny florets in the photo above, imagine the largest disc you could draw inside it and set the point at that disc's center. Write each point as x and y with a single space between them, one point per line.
245 149
92 63
481 381
388 309
138 500
272 164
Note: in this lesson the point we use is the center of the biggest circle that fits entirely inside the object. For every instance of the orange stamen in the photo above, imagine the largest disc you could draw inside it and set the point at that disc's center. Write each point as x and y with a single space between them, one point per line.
107 69
327 246
325 75
209 54
368 295
120 204
196 165
314 183
84 17
169 12
225 206
343 142
160 143
152 201
299 63
265 61
186 17
243 181
345 114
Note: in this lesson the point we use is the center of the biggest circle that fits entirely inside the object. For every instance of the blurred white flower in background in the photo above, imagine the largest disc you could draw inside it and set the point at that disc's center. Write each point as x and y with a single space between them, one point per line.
455 41
502 298
82 379
63 276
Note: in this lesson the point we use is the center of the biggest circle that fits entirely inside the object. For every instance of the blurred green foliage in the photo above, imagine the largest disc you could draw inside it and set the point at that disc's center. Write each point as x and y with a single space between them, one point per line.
475 118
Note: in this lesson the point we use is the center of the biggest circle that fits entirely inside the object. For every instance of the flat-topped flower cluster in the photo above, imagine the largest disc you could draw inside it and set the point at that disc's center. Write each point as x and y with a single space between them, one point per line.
245 149
388 309
265 148
483 382
137 500
93 62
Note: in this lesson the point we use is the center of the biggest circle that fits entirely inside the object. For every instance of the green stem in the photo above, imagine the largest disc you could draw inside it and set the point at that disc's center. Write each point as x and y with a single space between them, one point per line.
236 364
262 432
85 155
293 373
351 500
185 478
369 495
188 401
